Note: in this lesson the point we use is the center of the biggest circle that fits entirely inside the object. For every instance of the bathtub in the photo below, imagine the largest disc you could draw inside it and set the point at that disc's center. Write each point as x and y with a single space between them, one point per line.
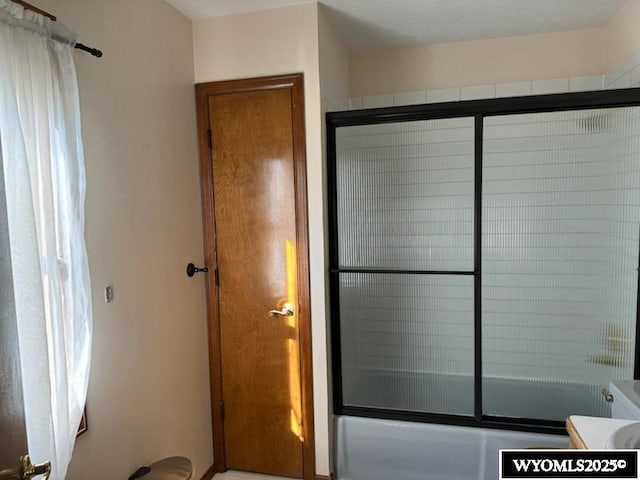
373 449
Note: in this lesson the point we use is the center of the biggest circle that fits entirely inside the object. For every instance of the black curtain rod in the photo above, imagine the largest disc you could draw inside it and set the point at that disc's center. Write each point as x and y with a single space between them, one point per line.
93 51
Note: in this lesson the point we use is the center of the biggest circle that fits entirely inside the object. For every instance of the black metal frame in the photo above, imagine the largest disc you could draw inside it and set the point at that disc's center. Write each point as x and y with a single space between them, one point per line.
478 109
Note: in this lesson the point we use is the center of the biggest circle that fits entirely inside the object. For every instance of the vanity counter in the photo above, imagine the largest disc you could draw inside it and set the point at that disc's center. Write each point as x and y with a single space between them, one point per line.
592 432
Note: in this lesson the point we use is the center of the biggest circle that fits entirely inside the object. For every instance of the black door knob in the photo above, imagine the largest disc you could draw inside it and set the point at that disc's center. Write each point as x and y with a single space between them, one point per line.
192 270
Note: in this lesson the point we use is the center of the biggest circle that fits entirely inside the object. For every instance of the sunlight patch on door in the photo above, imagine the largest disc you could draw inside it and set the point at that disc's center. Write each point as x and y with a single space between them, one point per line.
292 344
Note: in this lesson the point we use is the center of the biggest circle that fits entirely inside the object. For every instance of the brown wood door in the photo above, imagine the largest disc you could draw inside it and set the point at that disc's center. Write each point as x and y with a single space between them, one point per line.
258 248
13 438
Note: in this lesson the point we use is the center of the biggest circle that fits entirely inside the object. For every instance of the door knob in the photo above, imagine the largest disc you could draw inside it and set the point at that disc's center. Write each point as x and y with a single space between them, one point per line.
26 470
192 270
285 311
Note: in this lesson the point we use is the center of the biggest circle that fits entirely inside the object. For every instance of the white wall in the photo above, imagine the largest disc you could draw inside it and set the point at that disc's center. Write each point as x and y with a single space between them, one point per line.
334 93
149 387
272 42
334 66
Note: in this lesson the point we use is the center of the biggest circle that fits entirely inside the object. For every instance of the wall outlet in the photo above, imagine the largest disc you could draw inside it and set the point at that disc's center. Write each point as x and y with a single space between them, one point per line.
108 294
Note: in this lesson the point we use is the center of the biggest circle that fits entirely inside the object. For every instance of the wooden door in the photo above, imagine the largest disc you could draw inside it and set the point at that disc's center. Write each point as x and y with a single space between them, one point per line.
13 438
257 240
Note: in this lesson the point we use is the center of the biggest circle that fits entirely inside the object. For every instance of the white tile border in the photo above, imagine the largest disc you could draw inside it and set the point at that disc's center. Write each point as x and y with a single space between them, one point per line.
616 75
586 83
410 98
555 85
355 103
377 101
635 75
626 74
443 95
513 89
478 92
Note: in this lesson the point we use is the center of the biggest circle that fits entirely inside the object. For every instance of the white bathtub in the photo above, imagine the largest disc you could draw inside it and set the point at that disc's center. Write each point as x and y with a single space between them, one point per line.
373 449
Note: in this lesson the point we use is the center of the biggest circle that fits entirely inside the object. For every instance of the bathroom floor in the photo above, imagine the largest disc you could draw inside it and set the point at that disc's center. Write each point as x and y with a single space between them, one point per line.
236 475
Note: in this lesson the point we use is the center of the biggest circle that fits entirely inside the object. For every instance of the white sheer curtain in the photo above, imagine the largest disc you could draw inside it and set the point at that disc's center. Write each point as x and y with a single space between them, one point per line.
44 174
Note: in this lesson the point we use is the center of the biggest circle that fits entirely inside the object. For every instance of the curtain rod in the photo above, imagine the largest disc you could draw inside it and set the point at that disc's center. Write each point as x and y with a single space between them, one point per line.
93 51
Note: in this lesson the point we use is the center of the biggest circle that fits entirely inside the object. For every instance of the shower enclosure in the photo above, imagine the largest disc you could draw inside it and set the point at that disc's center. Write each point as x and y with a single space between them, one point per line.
484 258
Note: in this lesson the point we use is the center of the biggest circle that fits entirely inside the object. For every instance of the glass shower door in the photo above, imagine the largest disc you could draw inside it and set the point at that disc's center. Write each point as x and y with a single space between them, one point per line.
405 280
560 239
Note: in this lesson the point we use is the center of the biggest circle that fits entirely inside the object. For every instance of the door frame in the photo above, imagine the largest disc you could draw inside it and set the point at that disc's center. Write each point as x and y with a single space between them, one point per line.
294 83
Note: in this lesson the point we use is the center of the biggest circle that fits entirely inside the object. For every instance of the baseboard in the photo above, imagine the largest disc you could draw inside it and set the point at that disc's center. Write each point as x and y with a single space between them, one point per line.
213 469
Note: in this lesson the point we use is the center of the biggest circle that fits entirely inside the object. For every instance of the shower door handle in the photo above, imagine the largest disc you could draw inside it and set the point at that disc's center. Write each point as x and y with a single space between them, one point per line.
285 311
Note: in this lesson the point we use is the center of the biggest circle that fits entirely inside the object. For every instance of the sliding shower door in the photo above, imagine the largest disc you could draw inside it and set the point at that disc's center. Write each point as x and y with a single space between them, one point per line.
484 258
561 205
405 194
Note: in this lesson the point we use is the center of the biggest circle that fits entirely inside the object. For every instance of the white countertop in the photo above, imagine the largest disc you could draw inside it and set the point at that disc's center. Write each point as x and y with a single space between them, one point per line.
594 431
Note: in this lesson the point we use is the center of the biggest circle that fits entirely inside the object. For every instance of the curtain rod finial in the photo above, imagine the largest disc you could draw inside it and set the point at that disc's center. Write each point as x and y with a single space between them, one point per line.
93 51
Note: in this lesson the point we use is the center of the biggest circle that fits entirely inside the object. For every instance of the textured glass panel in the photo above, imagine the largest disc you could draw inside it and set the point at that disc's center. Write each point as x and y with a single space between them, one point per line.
407 342
405 195
561 211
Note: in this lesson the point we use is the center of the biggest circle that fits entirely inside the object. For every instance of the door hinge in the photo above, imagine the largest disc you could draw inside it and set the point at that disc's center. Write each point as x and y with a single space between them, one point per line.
222 409
217 275
209 139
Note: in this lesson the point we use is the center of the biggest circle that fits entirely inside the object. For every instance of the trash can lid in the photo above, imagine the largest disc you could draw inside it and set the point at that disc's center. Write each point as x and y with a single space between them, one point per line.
170 468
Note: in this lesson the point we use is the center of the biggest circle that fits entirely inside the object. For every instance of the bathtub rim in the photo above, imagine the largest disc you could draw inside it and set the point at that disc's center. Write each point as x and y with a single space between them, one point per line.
528 425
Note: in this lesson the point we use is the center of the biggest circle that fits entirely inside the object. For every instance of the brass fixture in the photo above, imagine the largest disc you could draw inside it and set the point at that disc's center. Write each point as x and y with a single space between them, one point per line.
26 470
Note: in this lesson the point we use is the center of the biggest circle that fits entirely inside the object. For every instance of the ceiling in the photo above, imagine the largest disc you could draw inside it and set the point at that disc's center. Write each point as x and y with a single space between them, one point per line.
374 24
